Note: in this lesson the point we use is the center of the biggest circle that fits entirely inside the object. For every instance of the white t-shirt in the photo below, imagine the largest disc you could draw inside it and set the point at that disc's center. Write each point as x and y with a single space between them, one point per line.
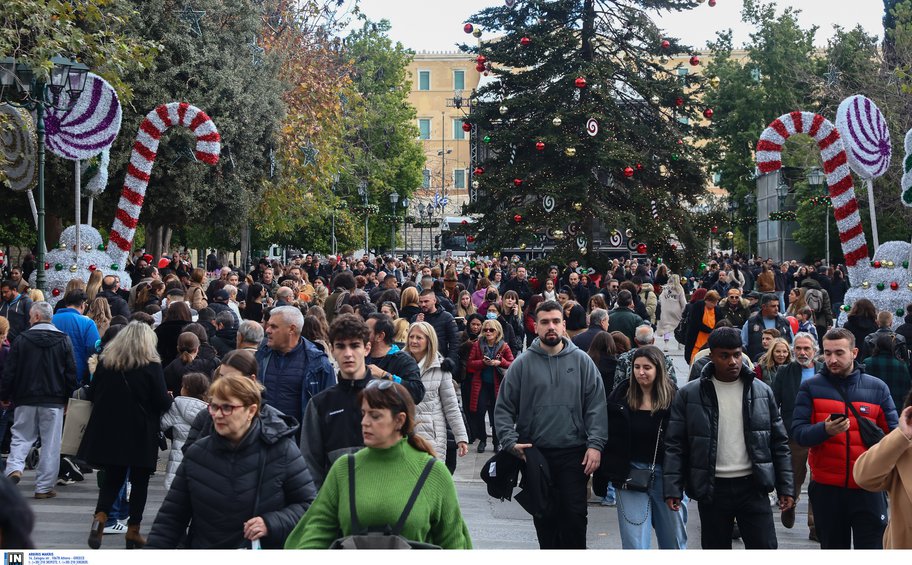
731 452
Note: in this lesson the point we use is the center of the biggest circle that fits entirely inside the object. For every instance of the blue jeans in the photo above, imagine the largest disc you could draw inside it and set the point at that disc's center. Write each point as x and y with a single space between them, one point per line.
640 512
121 508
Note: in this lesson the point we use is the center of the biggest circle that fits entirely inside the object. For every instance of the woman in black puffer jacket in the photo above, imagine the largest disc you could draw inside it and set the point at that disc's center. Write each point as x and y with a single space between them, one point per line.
245 483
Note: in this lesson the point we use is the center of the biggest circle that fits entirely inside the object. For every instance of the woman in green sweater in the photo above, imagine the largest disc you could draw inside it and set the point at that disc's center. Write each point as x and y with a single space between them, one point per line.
386 472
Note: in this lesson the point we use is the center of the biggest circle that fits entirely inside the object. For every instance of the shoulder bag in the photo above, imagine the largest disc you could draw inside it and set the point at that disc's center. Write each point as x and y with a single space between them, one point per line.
162 442
385 537
871 433
641 479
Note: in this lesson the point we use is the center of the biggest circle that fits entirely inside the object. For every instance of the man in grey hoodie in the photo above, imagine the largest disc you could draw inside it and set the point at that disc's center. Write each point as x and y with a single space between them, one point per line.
553 398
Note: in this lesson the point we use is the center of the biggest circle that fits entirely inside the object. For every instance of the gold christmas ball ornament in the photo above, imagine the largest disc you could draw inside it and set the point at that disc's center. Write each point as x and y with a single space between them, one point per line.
557 234
583 250
73 268
556 122
891 264
729 235
909 285
476 32
577 206
715 82
866 285
570 152
522 245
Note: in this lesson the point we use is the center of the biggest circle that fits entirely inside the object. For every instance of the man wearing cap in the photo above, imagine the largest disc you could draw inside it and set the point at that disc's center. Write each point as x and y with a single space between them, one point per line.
220 304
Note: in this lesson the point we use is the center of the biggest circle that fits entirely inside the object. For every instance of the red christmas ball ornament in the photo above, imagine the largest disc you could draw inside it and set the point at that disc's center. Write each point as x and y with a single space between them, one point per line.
666 44
47 266
466 126
712 3
639 166
92 268
580 82
641 249
628 172
894 285
517 183
694 61
468 28
478 171
465 222
540 146
708 113
480 68
679 101
877 264
481 59
517 218
674 246
525 41
715 229
56 292
470 238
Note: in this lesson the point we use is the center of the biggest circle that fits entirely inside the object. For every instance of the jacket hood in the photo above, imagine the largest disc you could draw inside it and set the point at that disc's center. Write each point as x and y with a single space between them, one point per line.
188 407
569 347
811 283
43 335
276 425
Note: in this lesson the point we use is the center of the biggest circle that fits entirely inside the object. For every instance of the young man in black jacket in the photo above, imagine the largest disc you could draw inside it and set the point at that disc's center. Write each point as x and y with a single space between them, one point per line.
331 427
706 451
387 361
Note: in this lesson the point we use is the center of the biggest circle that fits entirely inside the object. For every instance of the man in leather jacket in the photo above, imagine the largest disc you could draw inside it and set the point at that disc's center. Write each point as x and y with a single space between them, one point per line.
727 445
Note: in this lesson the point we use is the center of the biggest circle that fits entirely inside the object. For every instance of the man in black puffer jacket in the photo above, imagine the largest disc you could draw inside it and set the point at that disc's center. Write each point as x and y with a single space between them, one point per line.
727 445
444 326
219 483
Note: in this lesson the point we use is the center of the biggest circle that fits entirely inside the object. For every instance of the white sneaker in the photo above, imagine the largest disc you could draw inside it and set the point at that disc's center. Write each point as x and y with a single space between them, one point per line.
117 527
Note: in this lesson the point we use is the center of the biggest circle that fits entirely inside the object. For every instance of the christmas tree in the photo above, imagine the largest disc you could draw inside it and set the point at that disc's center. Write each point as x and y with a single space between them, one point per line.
583 130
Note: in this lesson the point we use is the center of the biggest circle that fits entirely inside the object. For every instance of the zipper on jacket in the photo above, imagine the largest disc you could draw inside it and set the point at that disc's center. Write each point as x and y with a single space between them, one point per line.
848 447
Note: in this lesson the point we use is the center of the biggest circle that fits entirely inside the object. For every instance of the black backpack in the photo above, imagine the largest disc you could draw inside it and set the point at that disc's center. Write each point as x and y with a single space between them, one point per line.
385 537
680 332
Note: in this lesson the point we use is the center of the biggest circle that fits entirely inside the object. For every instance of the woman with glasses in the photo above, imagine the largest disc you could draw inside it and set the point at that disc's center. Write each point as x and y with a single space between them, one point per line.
385 474
489 360
128 397
440 405
638 411
244 486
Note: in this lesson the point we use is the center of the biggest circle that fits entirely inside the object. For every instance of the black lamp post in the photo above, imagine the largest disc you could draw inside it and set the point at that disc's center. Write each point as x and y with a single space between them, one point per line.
748 211
405 206
394 199
782 190
815 178
22 88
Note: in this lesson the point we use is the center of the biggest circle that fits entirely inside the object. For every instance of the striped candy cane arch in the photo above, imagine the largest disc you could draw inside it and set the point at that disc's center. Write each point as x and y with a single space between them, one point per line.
838 175
155 124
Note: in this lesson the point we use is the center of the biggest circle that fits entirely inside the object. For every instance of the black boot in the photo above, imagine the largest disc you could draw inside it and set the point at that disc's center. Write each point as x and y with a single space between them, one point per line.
481 446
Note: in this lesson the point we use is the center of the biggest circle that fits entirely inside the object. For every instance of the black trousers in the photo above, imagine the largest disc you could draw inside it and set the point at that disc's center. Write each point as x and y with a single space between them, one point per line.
114 478
737 498
486 402
565 526
843 514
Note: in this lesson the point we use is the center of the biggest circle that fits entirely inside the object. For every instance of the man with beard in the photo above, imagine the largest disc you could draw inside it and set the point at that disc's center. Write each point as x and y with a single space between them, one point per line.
552 400
785 387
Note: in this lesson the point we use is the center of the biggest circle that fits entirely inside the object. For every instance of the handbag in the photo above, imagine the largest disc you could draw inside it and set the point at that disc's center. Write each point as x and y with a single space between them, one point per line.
386 537
641 479
78 413
870 432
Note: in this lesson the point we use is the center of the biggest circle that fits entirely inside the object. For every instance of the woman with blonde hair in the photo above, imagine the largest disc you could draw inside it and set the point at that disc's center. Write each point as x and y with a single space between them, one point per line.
408 303
36 295
401 326
464 305
100 313
489 359
777 355
128 397
440 405
94 284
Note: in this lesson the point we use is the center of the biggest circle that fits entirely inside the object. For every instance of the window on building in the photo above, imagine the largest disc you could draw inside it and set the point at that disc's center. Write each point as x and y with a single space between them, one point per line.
426 179
683 120
459 178
424 128
459 80
424 80
682 74
458 133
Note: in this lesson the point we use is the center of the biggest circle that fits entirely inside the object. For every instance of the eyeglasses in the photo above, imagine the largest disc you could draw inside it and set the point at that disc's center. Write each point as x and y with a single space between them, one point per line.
382 384
489 331
225 409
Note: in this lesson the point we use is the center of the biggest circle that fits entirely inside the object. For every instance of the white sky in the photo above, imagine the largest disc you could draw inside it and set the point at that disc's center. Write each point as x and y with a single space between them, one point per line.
436 25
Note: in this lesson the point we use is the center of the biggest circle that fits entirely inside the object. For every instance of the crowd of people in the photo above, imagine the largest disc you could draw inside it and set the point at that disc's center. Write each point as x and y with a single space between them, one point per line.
307 404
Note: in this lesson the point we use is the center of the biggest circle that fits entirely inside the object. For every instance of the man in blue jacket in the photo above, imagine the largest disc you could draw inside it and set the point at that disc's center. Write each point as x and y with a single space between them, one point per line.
82 331
292 368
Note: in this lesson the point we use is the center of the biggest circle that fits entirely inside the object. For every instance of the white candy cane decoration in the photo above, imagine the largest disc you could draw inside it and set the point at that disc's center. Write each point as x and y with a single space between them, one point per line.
156 123
835 165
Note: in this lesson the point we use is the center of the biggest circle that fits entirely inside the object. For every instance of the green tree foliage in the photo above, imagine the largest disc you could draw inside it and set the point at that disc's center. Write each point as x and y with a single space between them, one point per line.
617 49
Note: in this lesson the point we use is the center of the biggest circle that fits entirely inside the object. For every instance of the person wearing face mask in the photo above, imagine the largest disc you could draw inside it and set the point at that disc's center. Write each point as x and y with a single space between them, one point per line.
785 388
553 399
489 359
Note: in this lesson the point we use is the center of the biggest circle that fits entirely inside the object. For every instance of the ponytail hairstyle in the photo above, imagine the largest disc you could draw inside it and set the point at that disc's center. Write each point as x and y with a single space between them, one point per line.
187 346
396 399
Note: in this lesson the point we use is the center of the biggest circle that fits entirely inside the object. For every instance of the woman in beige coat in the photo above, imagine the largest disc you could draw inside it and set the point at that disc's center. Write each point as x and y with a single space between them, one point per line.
888 467
440 405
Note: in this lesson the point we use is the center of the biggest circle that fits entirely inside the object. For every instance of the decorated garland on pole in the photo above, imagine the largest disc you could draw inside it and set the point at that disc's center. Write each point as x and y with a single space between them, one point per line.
783 216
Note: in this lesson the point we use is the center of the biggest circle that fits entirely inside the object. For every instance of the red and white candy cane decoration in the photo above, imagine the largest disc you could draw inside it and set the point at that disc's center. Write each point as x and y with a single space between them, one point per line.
835 165
156 123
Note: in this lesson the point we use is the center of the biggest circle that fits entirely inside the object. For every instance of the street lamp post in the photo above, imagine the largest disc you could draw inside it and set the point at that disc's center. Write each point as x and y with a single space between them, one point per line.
20 87
335 179
362 191
394 199
815 178
782 190
421 221
748 210
405 206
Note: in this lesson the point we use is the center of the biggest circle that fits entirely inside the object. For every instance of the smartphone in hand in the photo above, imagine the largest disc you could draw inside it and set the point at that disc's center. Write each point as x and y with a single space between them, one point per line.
835 417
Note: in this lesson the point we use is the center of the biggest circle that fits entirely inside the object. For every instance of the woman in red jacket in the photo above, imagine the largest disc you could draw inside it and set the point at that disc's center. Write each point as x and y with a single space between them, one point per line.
489 359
